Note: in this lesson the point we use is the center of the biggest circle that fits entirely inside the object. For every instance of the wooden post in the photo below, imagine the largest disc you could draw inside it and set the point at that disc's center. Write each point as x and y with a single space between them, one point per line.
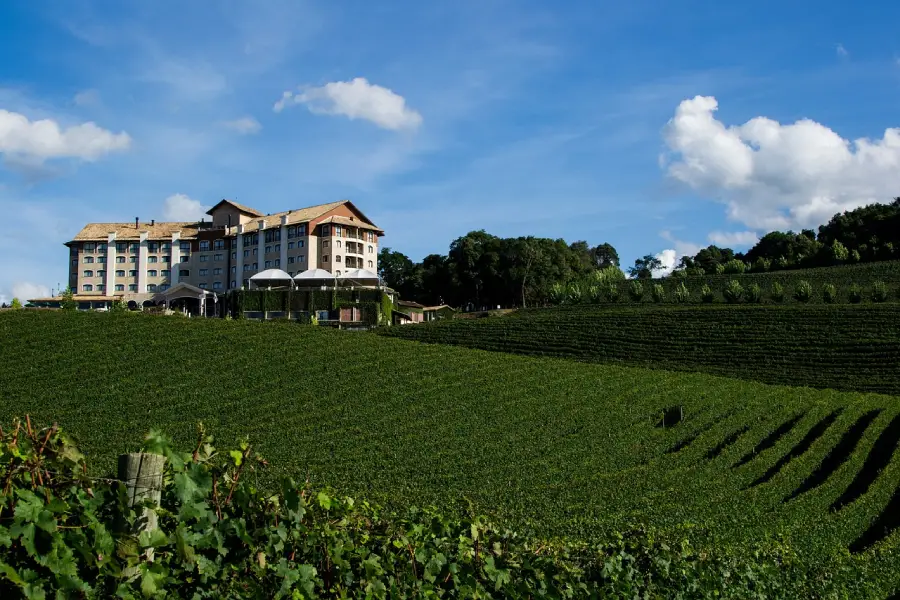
142 475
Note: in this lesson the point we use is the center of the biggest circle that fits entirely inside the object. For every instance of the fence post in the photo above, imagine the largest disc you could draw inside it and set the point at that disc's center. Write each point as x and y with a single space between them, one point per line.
142 474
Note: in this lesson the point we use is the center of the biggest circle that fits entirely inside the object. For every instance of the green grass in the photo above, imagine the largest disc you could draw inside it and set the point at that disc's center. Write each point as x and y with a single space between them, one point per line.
562 447
847 347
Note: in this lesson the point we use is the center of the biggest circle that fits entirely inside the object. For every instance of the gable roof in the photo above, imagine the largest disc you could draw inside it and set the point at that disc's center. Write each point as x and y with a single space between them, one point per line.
244 209
304 215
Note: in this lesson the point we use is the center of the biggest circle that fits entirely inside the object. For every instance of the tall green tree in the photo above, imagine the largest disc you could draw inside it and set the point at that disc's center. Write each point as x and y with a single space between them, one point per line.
605 255
645 266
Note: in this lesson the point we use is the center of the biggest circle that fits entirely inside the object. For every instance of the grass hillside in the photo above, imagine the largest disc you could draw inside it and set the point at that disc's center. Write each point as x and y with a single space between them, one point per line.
561 447
849 347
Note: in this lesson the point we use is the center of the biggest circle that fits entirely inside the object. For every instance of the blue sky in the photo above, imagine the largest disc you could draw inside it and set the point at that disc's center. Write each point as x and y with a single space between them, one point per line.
657 126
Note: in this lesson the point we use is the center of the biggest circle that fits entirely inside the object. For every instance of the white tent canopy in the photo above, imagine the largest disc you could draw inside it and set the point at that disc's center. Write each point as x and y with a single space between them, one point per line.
314 275
361 276
269 277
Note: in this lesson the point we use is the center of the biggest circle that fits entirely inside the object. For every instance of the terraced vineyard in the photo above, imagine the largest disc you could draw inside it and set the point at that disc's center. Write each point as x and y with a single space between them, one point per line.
558 446
848 347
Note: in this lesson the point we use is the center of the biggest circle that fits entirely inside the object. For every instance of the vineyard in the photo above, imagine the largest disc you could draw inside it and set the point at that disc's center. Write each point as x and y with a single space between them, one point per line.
553 447
846 347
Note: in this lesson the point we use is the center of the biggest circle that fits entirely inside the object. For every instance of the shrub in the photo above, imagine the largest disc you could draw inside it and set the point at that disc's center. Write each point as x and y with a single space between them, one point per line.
777 293
612 292
558 293
706 294
733 292
682 293
574 293
783 263
854 256
658 293
636 290
762 264
595 293
118 306
679 274
753 293
879 292
720 269
16 303
854 294
68 300
695 272
735 267
803 291
829 293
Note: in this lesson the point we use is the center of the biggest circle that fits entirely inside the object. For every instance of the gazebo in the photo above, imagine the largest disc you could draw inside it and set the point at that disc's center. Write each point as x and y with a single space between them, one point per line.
272 278
359 277
185 291
314 278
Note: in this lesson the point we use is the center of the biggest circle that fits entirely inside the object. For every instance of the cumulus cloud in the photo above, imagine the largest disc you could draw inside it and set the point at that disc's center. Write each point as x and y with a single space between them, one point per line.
670 257
733 239
244 125
45 139
356 99
25 291
180 207
775 176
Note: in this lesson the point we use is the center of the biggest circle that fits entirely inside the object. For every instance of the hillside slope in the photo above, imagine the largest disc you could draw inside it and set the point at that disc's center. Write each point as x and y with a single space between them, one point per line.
563 447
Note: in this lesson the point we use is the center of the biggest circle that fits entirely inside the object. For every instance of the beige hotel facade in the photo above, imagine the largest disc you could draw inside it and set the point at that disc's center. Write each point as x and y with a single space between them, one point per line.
134 261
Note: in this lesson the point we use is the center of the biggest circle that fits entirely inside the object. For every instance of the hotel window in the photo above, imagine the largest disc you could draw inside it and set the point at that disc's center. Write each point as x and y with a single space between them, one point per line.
75 262
152 273
290 245
292 231
203 286
325 258
233 283
337 258
166 246
255 266
101 247
256 239
133 248
204 272
324 243
204 245
152 259
204 258
132 273
277 236
290 260
132 287
120 273
277 247
338 273
153 246
301 230
248 239
301 258
217 271
121 246
164 287
370 264
151 287
101 287
165 273
300 244
246 253
337 231
234 242
184 273
87 274
255 251
234 256
270 234
88 260
217 285
120 287
185 246
268 264
101 259
87 288
133 259
219 245
120 260
338 243
371 249
268 249
218 257
325 231
233 270
89 247
246 267
167 259
101 273
277 262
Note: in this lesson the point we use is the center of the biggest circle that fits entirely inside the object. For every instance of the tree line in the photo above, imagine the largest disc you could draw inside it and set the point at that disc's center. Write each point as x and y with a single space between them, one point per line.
482 271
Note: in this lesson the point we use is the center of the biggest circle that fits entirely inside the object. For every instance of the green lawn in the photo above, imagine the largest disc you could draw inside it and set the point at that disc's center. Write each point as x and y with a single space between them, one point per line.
564 447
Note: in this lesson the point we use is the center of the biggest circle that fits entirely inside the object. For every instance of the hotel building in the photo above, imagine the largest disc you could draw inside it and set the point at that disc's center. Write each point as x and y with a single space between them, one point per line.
134 261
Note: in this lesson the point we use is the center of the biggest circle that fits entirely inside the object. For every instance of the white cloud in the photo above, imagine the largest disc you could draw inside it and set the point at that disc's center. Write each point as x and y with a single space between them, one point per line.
179 207
24 291
356 99
841 51
732 239
44 139
774 176
244 125
87 98
670 257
